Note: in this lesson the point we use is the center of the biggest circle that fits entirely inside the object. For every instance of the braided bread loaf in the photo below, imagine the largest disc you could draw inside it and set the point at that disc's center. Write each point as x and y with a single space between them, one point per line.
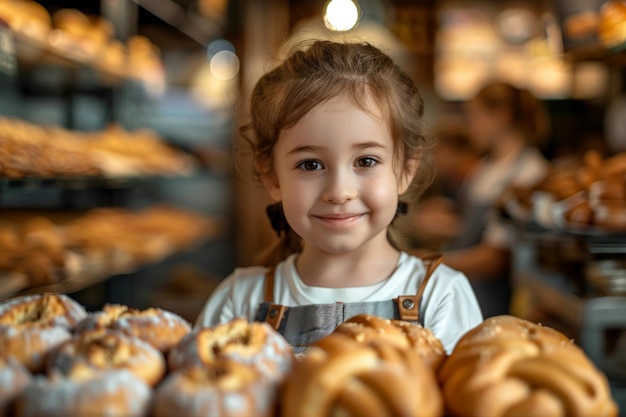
365 328
509 367
340 376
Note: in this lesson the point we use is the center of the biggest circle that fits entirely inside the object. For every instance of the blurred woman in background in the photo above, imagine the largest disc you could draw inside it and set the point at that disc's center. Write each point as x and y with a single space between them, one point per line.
505 125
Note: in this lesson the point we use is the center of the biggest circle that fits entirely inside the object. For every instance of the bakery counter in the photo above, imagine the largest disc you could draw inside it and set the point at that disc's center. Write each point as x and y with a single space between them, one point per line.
556 283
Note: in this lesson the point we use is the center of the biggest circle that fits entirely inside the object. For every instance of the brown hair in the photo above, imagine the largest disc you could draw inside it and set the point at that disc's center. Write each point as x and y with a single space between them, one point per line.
325 70
528 115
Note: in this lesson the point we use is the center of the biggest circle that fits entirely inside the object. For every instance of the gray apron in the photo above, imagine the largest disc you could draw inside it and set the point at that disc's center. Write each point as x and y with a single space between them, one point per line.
304 325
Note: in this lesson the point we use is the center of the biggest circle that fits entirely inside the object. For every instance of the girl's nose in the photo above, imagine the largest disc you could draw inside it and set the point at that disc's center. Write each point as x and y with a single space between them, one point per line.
340 188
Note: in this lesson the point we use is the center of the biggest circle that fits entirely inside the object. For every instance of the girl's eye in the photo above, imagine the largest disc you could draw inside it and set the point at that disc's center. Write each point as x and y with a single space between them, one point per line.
367 162
310 165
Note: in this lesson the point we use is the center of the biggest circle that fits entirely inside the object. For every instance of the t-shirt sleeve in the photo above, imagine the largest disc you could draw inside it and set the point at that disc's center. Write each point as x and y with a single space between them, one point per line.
452 308
219 308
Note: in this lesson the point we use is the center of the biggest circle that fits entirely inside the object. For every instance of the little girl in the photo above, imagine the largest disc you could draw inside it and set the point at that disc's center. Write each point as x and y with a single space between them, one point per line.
337 138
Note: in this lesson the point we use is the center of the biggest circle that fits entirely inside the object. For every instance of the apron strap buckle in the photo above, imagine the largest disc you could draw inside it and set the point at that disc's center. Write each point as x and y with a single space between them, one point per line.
275 315
408 307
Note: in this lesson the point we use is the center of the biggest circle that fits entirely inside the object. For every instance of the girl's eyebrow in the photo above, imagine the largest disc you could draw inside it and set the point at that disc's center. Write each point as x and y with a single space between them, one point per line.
306 148
311 148
367 145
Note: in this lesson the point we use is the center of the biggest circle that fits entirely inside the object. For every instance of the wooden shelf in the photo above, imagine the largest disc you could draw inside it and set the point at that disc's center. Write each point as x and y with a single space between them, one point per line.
614 56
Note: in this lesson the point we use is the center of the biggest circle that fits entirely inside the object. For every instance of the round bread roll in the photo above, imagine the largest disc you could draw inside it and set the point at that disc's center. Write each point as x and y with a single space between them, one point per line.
509 367
339 376
86 393
364 328
224 389
162 329
611 216
13 378
255 344
108 349
31 326
579 215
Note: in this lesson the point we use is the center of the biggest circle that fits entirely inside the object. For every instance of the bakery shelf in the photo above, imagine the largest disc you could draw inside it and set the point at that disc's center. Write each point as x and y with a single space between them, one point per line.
33 52
11 284
33 183
90 273
611 56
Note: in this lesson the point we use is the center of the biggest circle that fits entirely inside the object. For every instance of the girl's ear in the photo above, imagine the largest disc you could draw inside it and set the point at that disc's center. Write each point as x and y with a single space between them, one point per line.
270 182
407 175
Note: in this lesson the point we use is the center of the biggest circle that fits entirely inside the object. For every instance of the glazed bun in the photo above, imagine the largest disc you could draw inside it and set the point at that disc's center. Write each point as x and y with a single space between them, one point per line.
162 329
31 326
224 389
86 393
13 379
254 344
103 350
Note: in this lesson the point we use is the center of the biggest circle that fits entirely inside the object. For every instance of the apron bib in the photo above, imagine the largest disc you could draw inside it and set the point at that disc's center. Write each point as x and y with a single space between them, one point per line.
304 325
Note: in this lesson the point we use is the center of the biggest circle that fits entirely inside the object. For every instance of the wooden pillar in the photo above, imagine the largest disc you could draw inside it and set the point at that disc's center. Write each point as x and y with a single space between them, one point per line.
266 27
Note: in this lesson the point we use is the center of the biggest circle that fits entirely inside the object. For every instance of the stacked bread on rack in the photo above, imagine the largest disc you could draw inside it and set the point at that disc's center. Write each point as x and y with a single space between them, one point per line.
58 360
30 150
69 34
589 194
97 243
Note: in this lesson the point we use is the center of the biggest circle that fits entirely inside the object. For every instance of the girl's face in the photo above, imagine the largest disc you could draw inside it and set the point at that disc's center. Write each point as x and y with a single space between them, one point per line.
334 174
484 126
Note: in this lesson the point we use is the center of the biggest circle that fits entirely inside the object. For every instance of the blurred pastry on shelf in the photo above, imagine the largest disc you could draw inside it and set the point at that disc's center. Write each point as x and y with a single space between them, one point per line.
26 18
144 62
612 25
80 36
113 58
29 150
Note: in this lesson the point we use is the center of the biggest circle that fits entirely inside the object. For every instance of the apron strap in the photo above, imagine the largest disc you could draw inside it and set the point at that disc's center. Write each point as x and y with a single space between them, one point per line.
268 291
409 305
275 312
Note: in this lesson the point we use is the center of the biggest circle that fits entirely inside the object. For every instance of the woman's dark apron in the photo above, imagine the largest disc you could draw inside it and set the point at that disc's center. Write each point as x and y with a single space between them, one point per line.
304 325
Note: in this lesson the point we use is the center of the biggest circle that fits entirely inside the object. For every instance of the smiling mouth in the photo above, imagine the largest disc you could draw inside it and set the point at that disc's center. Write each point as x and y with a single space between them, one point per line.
339 219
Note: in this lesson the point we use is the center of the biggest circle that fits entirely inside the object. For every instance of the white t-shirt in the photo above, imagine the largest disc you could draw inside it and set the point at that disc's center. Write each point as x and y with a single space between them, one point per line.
449 307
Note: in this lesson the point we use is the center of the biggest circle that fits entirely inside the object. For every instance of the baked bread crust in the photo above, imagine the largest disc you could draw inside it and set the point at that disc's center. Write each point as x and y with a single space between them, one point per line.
340 376
365 328
104 350
254 344
225 389
13 378
161 328
33 325
510 367
86 393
